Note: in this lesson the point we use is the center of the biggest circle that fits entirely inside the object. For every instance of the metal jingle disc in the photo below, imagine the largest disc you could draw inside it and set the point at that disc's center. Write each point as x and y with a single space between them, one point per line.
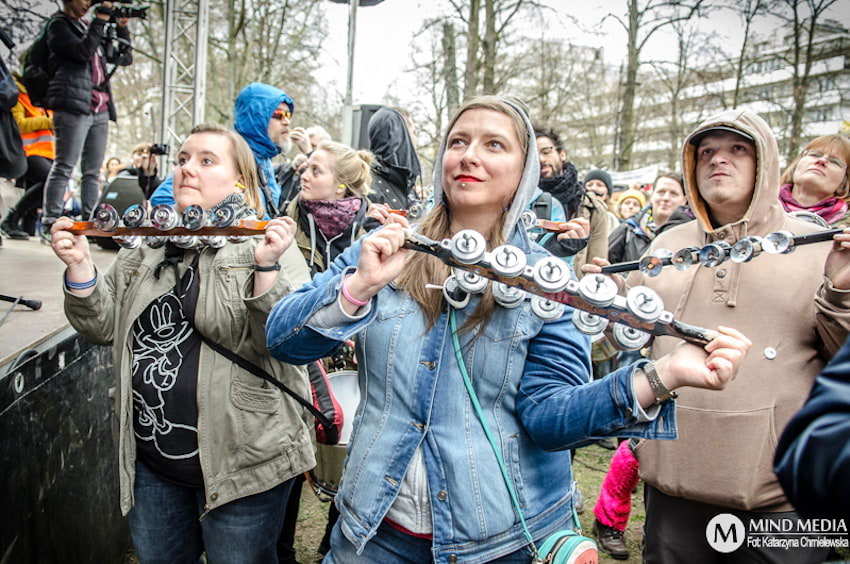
547 310
134 216
630 338
644 303
714 254
164 217
470 282
589 323
508 260
778 242
416 210
105 218
744 250
551 274
468 246
185 241
652 265
683 259
194 217
131 242
507 296
223 216
155 242
237 239
598 289
454 295
528 219
214 241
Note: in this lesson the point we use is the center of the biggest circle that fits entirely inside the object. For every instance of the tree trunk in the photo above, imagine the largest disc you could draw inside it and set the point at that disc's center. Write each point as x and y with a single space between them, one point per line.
625 134
473 39
489 47
450 67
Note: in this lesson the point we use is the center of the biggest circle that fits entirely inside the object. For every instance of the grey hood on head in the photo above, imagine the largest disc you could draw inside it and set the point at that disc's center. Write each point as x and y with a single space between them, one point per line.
530 173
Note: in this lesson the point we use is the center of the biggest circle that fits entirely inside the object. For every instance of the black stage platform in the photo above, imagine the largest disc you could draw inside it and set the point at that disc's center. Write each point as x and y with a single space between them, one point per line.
58 477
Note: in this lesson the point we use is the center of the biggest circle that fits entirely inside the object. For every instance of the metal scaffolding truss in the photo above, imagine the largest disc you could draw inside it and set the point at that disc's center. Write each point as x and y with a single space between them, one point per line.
184 70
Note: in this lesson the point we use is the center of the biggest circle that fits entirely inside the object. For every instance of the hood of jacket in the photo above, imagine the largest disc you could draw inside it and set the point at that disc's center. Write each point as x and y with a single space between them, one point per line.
389 141
254 108
765 212
527 184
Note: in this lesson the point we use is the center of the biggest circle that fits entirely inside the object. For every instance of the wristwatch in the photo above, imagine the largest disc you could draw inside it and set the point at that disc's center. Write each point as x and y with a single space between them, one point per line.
661 392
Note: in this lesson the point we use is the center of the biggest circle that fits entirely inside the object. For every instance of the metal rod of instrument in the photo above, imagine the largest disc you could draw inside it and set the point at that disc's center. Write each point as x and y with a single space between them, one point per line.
716 253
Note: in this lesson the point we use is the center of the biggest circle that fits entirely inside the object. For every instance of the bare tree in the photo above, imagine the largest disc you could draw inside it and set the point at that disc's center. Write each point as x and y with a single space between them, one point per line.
643 21
803 16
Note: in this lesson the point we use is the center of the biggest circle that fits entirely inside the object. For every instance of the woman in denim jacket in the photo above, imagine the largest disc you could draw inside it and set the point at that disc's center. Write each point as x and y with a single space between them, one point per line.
421 482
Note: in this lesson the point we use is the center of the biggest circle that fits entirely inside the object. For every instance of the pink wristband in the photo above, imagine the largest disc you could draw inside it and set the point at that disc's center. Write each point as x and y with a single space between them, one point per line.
349 297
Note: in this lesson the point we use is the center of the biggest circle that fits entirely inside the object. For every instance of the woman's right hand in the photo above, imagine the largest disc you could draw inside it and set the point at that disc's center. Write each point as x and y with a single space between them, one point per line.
382 257
73 250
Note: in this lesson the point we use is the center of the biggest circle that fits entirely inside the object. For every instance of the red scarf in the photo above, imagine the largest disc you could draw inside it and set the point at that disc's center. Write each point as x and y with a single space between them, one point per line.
830 209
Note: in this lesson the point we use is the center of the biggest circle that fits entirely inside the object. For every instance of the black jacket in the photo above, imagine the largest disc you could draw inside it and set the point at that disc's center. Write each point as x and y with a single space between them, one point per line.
72 46
628 242
813 456
396 166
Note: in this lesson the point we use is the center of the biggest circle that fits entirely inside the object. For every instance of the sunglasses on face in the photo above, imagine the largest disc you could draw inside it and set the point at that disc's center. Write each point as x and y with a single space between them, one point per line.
281 114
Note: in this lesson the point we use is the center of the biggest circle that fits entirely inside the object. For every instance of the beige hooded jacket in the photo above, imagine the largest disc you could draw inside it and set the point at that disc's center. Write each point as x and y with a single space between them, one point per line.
783 303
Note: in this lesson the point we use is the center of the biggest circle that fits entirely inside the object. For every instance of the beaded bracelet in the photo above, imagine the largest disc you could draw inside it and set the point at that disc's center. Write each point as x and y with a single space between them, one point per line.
349 297
79 285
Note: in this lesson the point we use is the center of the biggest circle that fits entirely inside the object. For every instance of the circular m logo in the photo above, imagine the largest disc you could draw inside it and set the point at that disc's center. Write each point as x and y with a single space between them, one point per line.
725 533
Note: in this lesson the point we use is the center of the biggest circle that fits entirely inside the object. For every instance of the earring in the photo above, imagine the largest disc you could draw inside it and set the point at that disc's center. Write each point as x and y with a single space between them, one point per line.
240 188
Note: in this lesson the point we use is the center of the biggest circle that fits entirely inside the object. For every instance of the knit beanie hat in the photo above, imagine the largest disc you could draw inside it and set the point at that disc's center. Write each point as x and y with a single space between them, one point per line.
632 193
599 175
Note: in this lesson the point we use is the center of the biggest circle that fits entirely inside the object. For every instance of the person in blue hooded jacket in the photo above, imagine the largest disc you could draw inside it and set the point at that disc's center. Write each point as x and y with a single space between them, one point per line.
263 115
421 482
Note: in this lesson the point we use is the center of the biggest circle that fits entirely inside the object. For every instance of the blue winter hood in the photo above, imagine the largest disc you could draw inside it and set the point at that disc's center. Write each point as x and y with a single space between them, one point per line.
254 108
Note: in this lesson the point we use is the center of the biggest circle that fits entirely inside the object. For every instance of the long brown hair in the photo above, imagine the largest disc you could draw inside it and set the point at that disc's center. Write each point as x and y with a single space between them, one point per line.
421 269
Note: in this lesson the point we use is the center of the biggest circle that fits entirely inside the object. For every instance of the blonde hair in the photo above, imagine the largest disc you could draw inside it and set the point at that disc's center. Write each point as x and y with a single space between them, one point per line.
243 160
421 269
350 167
825 143
140 147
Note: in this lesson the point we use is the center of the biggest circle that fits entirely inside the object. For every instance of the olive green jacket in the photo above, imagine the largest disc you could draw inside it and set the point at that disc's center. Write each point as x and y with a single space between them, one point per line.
251 437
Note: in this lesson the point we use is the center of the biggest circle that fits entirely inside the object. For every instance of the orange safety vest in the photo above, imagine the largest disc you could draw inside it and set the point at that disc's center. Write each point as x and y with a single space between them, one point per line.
40 143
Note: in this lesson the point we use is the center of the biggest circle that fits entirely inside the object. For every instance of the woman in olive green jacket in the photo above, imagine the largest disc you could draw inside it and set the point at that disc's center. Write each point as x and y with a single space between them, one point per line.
207 450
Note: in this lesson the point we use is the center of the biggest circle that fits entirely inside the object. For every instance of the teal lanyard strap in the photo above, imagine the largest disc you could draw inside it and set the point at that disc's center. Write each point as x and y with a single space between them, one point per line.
480 413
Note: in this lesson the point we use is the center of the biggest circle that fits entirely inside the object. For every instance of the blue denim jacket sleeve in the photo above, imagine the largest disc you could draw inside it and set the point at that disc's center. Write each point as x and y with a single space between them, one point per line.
560 410
289 335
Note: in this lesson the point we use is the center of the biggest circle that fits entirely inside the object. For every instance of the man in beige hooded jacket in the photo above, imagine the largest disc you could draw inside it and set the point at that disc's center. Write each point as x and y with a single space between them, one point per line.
796 310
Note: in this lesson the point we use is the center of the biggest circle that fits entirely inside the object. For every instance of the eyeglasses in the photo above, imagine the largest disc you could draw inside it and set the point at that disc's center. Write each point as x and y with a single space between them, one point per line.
818 155
281 114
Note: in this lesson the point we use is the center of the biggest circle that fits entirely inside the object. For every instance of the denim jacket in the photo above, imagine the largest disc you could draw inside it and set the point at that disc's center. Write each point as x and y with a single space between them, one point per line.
531 379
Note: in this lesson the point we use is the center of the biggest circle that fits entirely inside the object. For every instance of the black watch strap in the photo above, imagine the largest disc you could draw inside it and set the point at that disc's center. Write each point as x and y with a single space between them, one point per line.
661 392
272 268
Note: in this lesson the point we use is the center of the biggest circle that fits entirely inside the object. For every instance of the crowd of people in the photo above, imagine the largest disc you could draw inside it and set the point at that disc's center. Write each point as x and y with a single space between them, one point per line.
470 413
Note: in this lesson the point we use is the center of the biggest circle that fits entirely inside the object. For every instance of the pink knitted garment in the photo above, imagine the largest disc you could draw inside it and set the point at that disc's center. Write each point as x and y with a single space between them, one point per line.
615 499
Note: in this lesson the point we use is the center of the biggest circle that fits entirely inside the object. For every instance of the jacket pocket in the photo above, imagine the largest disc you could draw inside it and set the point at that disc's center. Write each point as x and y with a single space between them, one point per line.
721 458
254 398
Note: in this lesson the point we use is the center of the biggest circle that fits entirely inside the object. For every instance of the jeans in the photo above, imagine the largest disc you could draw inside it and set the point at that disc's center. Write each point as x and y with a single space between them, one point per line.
391 545
165 524
76 136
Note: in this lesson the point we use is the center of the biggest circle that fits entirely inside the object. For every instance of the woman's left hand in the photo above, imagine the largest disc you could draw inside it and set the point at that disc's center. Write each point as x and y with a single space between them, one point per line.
837 267
279 235
578 228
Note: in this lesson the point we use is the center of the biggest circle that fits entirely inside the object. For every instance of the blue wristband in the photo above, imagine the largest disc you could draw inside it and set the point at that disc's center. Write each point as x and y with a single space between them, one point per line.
79 285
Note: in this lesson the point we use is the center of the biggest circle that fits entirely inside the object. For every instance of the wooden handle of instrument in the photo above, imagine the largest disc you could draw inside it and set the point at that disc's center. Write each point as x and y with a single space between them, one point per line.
243 228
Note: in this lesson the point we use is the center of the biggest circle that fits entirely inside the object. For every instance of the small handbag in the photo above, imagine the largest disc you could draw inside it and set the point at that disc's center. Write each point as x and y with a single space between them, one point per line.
563 547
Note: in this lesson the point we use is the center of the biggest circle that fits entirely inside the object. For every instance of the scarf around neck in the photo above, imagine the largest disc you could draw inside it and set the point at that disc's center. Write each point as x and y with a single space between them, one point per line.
332 217
830 209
